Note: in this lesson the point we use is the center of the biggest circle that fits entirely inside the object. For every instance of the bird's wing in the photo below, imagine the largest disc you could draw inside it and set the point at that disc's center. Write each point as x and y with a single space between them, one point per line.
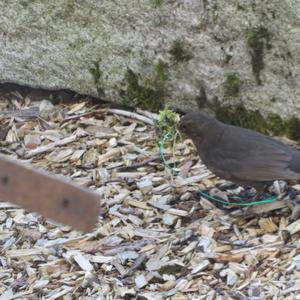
254 157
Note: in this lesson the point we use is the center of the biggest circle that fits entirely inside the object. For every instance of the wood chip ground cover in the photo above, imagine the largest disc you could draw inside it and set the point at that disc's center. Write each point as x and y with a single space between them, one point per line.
157 239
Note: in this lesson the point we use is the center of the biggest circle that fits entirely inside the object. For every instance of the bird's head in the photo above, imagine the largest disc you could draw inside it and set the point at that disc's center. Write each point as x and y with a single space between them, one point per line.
195 124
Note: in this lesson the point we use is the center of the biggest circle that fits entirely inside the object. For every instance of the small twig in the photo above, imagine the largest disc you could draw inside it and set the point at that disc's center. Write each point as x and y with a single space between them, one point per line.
17 295
72 117
148 114
266 247
137 263
112 153
119 267
46 148
194 179
27 113
131 115
57 295
140 164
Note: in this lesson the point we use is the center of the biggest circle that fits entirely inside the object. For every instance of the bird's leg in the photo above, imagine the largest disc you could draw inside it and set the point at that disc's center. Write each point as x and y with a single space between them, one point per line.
257 197
260 189
265 190
293 202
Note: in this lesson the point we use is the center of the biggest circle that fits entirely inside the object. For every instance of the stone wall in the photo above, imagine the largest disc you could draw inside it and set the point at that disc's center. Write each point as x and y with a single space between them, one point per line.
189 54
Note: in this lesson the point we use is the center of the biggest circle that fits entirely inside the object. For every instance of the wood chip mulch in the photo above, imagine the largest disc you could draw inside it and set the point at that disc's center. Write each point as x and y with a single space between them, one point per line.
157 238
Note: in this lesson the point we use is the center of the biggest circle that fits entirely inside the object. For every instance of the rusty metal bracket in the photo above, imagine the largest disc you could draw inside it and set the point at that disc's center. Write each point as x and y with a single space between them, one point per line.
54 198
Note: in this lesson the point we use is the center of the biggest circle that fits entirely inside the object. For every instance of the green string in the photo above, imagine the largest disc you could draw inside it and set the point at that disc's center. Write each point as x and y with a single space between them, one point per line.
208 197
167 137
162 142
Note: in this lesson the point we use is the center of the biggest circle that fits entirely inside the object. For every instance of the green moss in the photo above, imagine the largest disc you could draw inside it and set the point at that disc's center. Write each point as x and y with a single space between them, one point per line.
157 3
258 39
240 7
272 124
147 92
239 116
97 76
275 124
166 128
78 44
179 52
24 3
232 85
161 71
292 128
167 121
147 95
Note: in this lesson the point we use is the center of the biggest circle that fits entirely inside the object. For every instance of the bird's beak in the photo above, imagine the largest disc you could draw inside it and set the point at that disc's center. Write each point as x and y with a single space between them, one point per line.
180 130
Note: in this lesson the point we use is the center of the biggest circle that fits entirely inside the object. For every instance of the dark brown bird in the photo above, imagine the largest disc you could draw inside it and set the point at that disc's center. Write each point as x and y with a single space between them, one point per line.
240 155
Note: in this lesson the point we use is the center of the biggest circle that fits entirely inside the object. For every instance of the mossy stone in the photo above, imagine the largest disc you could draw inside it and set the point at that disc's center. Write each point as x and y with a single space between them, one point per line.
232 85
157 3
292 128
239 116
275 124
161 71
179 51
142 95
258 39
97 77
271 124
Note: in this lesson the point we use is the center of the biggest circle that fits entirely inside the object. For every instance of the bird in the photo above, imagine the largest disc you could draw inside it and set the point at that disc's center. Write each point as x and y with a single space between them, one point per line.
240 155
